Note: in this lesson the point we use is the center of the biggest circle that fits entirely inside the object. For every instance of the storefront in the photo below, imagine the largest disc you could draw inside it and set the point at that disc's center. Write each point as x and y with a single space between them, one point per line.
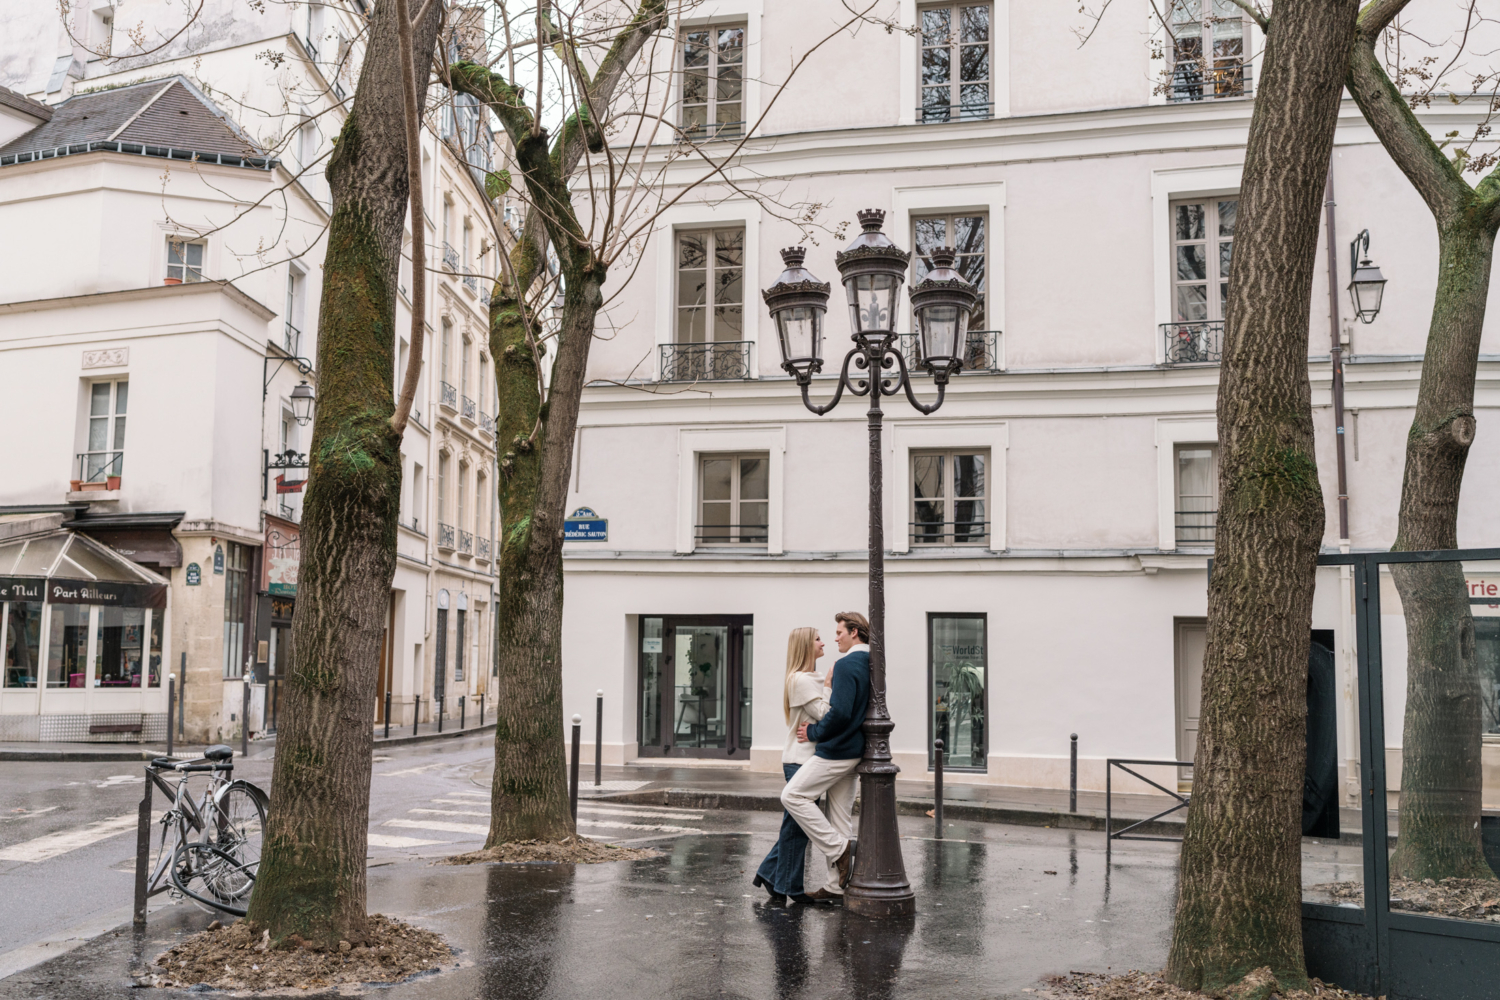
281 556
695 685
85 633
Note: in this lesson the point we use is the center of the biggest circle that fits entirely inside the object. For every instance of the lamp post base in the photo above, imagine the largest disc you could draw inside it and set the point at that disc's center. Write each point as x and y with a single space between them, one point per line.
878 887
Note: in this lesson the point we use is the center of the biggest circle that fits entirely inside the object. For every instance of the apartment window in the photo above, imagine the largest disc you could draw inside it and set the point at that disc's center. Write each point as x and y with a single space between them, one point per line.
418 491
104 30
184 262
1197 493
735 504
442 487
468 238
463 490
481 506
956 62
106 438
713 81
236 605
1202 238
965 232
710 286
468 349
949 493
307 144
1208 51
292 335
445 356
448 230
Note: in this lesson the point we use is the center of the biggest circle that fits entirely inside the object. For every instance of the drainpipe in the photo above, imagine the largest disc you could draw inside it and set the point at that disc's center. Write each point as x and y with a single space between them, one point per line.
1336 357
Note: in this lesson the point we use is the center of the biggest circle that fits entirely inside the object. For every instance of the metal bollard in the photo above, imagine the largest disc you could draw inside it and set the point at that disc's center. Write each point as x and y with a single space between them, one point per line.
181 697
460 711
171 698
245 720
416 713
573 769
937 787
598 737
481 709
387 715
1073 774
442 707
143 847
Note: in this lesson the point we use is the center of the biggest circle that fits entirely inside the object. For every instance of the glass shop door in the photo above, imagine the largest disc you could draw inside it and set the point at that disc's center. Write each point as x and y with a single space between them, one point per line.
695 686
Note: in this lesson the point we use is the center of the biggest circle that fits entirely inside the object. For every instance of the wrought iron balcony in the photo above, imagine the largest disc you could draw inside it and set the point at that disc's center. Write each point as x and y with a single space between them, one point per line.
450 257
486 423
482 549
731 534
981 351
100 466
1197 81
705 362
700 131
1196 527
467 409
465 542
968 111
950 532
471 282
445 534
1193 343
484 296
448 396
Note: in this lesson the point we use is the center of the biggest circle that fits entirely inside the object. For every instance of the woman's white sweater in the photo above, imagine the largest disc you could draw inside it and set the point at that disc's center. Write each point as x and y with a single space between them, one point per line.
809 701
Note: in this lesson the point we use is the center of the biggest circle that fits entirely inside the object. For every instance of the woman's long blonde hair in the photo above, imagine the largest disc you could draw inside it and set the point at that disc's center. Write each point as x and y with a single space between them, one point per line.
801 657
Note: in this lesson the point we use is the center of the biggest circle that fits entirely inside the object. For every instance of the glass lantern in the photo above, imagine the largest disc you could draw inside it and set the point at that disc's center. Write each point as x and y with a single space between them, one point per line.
872 269
302 404
1366 288
798 302
942 303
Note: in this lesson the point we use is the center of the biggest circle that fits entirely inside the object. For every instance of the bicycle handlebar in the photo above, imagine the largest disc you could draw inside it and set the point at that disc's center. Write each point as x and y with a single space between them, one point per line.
168 764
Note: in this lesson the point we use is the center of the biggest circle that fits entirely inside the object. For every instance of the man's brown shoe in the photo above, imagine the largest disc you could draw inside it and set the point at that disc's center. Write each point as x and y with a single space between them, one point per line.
822 895
845 863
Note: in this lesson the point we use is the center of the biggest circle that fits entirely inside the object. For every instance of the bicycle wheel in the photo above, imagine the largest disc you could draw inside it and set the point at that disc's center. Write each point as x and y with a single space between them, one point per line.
237 821
213 877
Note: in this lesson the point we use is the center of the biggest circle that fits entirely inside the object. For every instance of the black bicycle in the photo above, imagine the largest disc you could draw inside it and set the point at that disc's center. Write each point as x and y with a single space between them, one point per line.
210 846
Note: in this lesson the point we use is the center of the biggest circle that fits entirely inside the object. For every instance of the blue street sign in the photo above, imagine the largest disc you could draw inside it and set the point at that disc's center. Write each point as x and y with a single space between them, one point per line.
583 525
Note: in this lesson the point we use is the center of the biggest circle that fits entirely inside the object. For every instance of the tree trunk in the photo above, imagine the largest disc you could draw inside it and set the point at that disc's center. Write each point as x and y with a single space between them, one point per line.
311 883
1239 903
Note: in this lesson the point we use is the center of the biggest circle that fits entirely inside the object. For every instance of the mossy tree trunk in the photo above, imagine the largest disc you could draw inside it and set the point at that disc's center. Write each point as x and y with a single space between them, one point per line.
1441 778
1239 903
529 796
311 884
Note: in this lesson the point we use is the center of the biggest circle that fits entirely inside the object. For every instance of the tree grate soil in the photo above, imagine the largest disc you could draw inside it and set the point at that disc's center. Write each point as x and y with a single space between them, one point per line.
1465 898
1150 986
237 958
569 850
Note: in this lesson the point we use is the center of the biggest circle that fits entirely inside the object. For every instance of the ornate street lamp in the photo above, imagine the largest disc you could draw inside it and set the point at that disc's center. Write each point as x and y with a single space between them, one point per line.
873 269
302 404
1366 283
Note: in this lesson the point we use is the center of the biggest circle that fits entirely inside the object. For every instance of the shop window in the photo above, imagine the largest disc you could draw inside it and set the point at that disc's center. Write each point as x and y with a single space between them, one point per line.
1197 493
105 456
458 647
735 499
184 261
21 624
713 81
949 497
236 606
119 647
957 665
68 646
955 62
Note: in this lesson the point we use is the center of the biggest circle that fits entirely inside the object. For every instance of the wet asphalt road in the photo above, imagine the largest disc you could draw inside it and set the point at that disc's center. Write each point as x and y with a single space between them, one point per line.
991 921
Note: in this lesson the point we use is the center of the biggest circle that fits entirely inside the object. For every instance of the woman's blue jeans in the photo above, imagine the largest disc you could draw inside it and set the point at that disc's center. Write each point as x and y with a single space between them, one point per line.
782 868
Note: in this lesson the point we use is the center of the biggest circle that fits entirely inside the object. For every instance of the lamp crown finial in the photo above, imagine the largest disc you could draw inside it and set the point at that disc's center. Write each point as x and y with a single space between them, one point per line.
793 257
871 219
942 257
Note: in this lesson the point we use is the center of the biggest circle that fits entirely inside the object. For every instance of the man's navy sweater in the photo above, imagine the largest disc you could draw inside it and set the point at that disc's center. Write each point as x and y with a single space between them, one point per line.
838 733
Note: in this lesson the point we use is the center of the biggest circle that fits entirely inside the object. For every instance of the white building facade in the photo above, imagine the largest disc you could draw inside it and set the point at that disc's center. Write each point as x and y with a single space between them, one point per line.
1048 531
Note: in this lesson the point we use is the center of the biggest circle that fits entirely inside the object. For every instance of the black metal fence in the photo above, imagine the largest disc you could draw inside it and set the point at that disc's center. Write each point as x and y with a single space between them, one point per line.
1193 343
1124 833
715 361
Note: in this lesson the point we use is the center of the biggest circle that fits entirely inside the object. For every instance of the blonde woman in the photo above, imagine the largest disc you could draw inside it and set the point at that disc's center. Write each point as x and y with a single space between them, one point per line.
804 699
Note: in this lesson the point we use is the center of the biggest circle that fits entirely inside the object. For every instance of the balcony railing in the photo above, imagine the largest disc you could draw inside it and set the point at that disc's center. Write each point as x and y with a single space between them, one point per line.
445 536
450 257
292 340
484 296
712 130
448 396
968 111
705 362
467 409
482 549
486 423
731 534
981 351
1195 81
99 466
465 542
1196 527
471 282
950 532
1193 343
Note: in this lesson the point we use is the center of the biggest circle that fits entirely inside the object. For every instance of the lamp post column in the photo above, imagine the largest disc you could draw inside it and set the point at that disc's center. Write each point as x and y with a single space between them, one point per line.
878 886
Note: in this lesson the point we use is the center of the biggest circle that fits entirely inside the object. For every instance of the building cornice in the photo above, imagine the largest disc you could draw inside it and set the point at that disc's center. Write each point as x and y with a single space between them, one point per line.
260 311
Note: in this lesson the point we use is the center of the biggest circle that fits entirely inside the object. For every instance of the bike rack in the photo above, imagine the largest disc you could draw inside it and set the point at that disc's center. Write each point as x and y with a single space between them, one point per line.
143 889
1110 836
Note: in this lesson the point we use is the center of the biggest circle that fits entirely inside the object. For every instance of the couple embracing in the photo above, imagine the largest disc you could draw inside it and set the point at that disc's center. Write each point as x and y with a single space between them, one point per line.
824 745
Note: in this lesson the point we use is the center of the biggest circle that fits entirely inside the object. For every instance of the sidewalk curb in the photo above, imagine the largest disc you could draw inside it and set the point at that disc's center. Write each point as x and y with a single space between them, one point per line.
79 756
452 734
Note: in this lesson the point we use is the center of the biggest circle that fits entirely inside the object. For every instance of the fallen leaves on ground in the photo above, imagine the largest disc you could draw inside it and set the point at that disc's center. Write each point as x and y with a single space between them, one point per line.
1139 985
1466 898
237 958
575 850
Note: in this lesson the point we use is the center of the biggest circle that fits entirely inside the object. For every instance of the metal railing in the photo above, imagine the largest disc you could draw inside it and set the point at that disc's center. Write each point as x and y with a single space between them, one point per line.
705 362
484 297
486 423
731 534
450 257
1110 835
1193 343
465 541
99 466
712 130
448 396
981 351
1197 81
140 149
292 340
471 282
467 409
482 548
1196 527
950 532
967 111
445 536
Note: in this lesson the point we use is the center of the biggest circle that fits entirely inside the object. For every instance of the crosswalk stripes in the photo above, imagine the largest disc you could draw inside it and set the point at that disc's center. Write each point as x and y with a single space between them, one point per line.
601 816
53 844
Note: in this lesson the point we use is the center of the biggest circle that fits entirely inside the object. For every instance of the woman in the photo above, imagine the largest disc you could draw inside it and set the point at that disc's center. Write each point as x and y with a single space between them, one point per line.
804 699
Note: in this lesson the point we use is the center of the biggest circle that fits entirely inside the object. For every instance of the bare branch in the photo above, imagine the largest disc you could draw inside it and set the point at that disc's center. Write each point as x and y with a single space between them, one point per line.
1378 15
419 236
1254 13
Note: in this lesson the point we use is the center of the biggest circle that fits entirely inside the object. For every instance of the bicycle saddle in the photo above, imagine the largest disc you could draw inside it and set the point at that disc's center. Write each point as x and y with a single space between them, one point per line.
219 752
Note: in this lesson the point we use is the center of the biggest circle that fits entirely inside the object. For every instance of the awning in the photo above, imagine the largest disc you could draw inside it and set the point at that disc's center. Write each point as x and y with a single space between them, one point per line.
63 567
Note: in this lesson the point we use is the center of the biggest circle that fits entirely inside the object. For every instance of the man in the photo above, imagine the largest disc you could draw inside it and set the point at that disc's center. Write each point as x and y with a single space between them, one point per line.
841 744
